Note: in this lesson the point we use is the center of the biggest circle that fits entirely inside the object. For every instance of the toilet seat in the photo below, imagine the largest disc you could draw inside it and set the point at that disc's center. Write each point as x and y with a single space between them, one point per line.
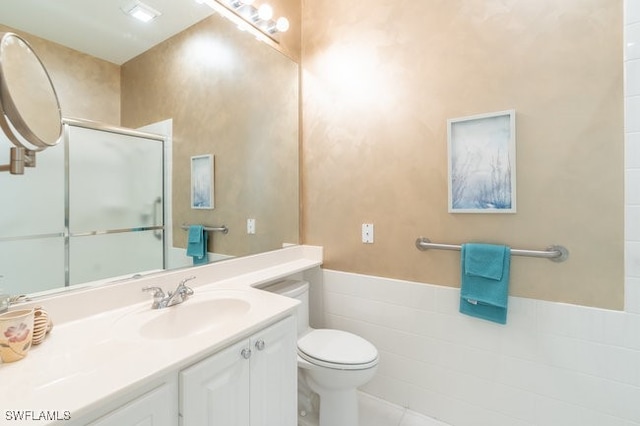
337 349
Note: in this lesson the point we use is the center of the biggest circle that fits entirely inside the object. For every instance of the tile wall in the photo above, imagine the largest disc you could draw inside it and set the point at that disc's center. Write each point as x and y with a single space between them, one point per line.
632 154
553 364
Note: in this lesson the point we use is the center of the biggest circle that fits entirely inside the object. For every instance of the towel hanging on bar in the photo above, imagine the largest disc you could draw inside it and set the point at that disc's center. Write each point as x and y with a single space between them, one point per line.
484 281
197 245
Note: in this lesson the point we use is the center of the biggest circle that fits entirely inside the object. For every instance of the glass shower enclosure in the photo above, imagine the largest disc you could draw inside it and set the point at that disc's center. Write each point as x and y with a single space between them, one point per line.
92 209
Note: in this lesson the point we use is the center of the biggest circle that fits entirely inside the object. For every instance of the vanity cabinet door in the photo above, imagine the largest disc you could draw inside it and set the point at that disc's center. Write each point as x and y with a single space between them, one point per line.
274 375
154 408
252 383
215 391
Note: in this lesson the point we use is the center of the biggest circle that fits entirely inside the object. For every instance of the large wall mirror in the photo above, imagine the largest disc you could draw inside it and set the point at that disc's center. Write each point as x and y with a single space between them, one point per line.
190 75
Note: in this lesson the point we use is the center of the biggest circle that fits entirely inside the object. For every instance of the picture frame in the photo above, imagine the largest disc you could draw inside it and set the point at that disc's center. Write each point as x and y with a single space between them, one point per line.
482 163
202 182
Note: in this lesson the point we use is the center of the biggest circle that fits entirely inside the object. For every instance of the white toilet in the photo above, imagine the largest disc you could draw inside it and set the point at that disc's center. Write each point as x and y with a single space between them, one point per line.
332 363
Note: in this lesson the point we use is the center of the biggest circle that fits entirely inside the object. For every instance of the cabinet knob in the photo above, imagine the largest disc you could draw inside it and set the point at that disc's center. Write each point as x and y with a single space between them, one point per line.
246 353
260 345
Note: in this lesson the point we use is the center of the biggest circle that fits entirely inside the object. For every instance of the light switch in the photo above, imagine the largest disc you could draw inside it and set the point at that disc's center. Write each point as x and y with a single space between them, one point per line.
251 226
367 233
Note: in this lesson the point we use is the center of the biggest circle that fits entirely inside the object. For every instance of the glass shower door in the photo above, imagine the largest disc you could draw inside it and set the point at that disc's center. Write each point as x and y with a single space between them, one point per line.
32 224
115 204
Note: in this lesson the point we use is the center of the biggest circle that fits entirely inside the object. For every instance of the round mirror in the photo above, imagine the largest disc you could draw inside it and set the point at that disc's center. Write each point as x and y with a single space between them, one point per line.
31 116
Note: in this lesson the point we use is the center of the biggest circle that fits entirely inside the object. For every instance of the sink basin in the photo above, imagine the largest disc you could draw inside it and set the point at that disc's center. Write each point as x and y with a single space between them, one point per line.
185 319
198 314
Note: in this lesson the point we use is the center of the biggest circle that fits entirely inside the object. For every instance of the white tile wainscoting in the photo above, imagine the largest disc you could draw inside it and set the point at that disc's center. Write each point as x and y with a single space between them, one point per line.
552 364
632 154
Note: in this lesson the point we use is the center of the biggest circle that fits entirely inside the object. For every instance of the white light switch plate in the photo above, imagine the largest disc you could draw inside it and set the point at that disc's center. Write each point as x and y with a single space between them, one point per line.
251 226
367 233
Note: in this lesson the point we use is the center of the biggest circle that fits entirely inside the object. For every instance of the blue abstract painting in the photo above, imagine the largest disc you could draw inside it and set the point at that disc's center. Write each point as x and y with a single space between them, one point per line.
482 163
202 182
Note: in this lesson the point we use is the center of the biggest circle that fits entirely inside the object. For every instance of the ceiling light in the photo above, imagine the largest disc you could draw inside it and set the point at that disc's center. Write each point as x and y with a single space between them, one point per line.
282 24
257 20
265 12
143 12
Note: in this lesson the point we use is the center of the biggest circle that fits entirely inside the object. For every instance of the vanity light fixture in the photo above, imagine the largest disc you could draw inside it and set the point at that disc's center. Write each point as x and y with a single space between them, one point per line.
282 24
265 12
142 12
248 16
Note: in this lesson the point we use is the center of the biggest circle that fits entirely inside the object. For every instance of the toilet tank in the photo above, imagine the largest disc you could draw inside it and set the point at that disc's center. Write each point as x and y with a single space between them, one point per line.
295 289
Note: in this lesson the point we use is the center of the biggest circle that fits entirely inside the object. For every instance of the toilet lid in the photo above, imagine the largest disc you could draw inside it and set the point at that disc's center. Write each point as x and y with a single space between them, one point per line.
337 347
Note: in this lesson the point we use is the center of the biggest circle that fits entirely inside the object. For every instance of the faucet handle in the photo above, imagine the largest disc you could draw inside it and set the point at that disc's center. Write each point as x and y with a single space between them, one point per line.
157 291
184 281
186 290
158 296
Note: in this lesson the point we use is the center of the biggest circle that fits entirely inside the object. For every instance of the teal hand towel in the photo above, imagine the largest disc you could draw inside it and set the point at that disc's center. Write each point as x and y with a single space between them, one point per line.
196 233
484 289
197 244
484 260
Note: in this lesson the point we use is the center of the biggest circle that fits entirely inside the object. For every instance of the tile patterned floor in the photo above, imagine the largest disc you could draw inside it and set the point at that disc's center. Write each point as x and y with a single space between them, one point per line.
377 412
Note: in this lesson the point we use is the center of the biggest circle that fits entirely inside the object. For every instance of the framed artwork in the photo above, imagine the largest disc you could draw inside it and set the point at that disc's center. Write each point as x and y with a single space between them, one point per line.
202 182
482 167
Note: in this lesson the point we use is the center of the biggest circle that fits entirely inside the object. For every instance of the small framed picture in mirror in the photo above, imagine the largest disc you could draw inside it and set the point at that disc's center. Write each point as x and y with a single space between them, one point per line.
202 196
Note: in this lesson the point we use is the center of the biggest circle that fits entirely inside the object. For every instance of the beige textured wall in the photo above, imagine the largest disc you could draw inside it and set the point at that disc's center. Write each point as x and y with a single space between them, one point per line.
87 87
233 97
380 79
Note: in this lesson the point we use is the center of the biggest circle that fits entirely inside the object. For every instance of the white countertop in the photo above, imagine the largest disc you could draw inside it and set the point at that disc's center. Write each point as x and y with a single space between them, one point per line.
88 360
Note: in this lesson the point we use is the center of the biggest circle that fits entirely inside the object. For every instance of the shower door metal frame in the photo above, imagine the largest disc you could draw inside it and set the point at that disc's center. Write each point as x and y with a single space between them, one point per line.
159 231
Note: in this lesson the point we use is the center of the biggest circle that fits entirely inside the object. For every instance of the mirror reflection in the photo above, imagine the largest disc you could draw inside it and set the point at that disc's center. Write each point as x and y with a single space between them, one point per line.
209 89
29 111
28 97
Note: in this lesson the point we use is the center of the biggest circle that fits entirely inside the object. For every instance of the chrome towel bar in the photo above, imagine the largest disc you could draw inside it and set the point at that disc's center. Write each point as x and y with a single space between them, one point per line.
555 253
222 228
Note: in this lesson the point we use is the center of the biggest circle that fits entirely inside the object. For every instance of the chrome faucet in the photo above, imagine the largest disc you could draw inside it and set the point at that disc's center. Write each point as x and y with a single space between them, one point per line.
179 295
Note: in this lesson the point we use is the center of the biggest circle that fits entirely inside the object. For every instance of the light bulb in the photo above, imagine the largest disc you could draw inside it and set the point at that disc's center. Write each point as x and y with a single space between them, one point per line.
282 24
265 12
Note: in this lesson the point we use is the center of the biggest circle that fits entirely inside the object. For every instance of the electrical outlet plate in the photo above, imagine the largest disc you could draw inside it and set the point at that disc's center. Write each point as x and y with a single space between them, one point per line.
367 233
251 226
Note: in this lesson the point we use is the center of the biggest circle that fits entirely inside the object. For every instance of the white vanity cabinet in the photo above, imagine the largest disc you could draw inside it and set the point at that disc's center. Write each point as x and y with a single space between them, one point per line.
252 383
156 407
154 404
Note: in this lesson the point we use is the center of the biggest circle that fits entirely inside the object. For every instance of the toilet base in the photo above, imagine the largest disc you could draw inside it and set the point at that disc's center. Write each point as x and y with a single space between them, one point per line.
332 413
310 419
338 407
